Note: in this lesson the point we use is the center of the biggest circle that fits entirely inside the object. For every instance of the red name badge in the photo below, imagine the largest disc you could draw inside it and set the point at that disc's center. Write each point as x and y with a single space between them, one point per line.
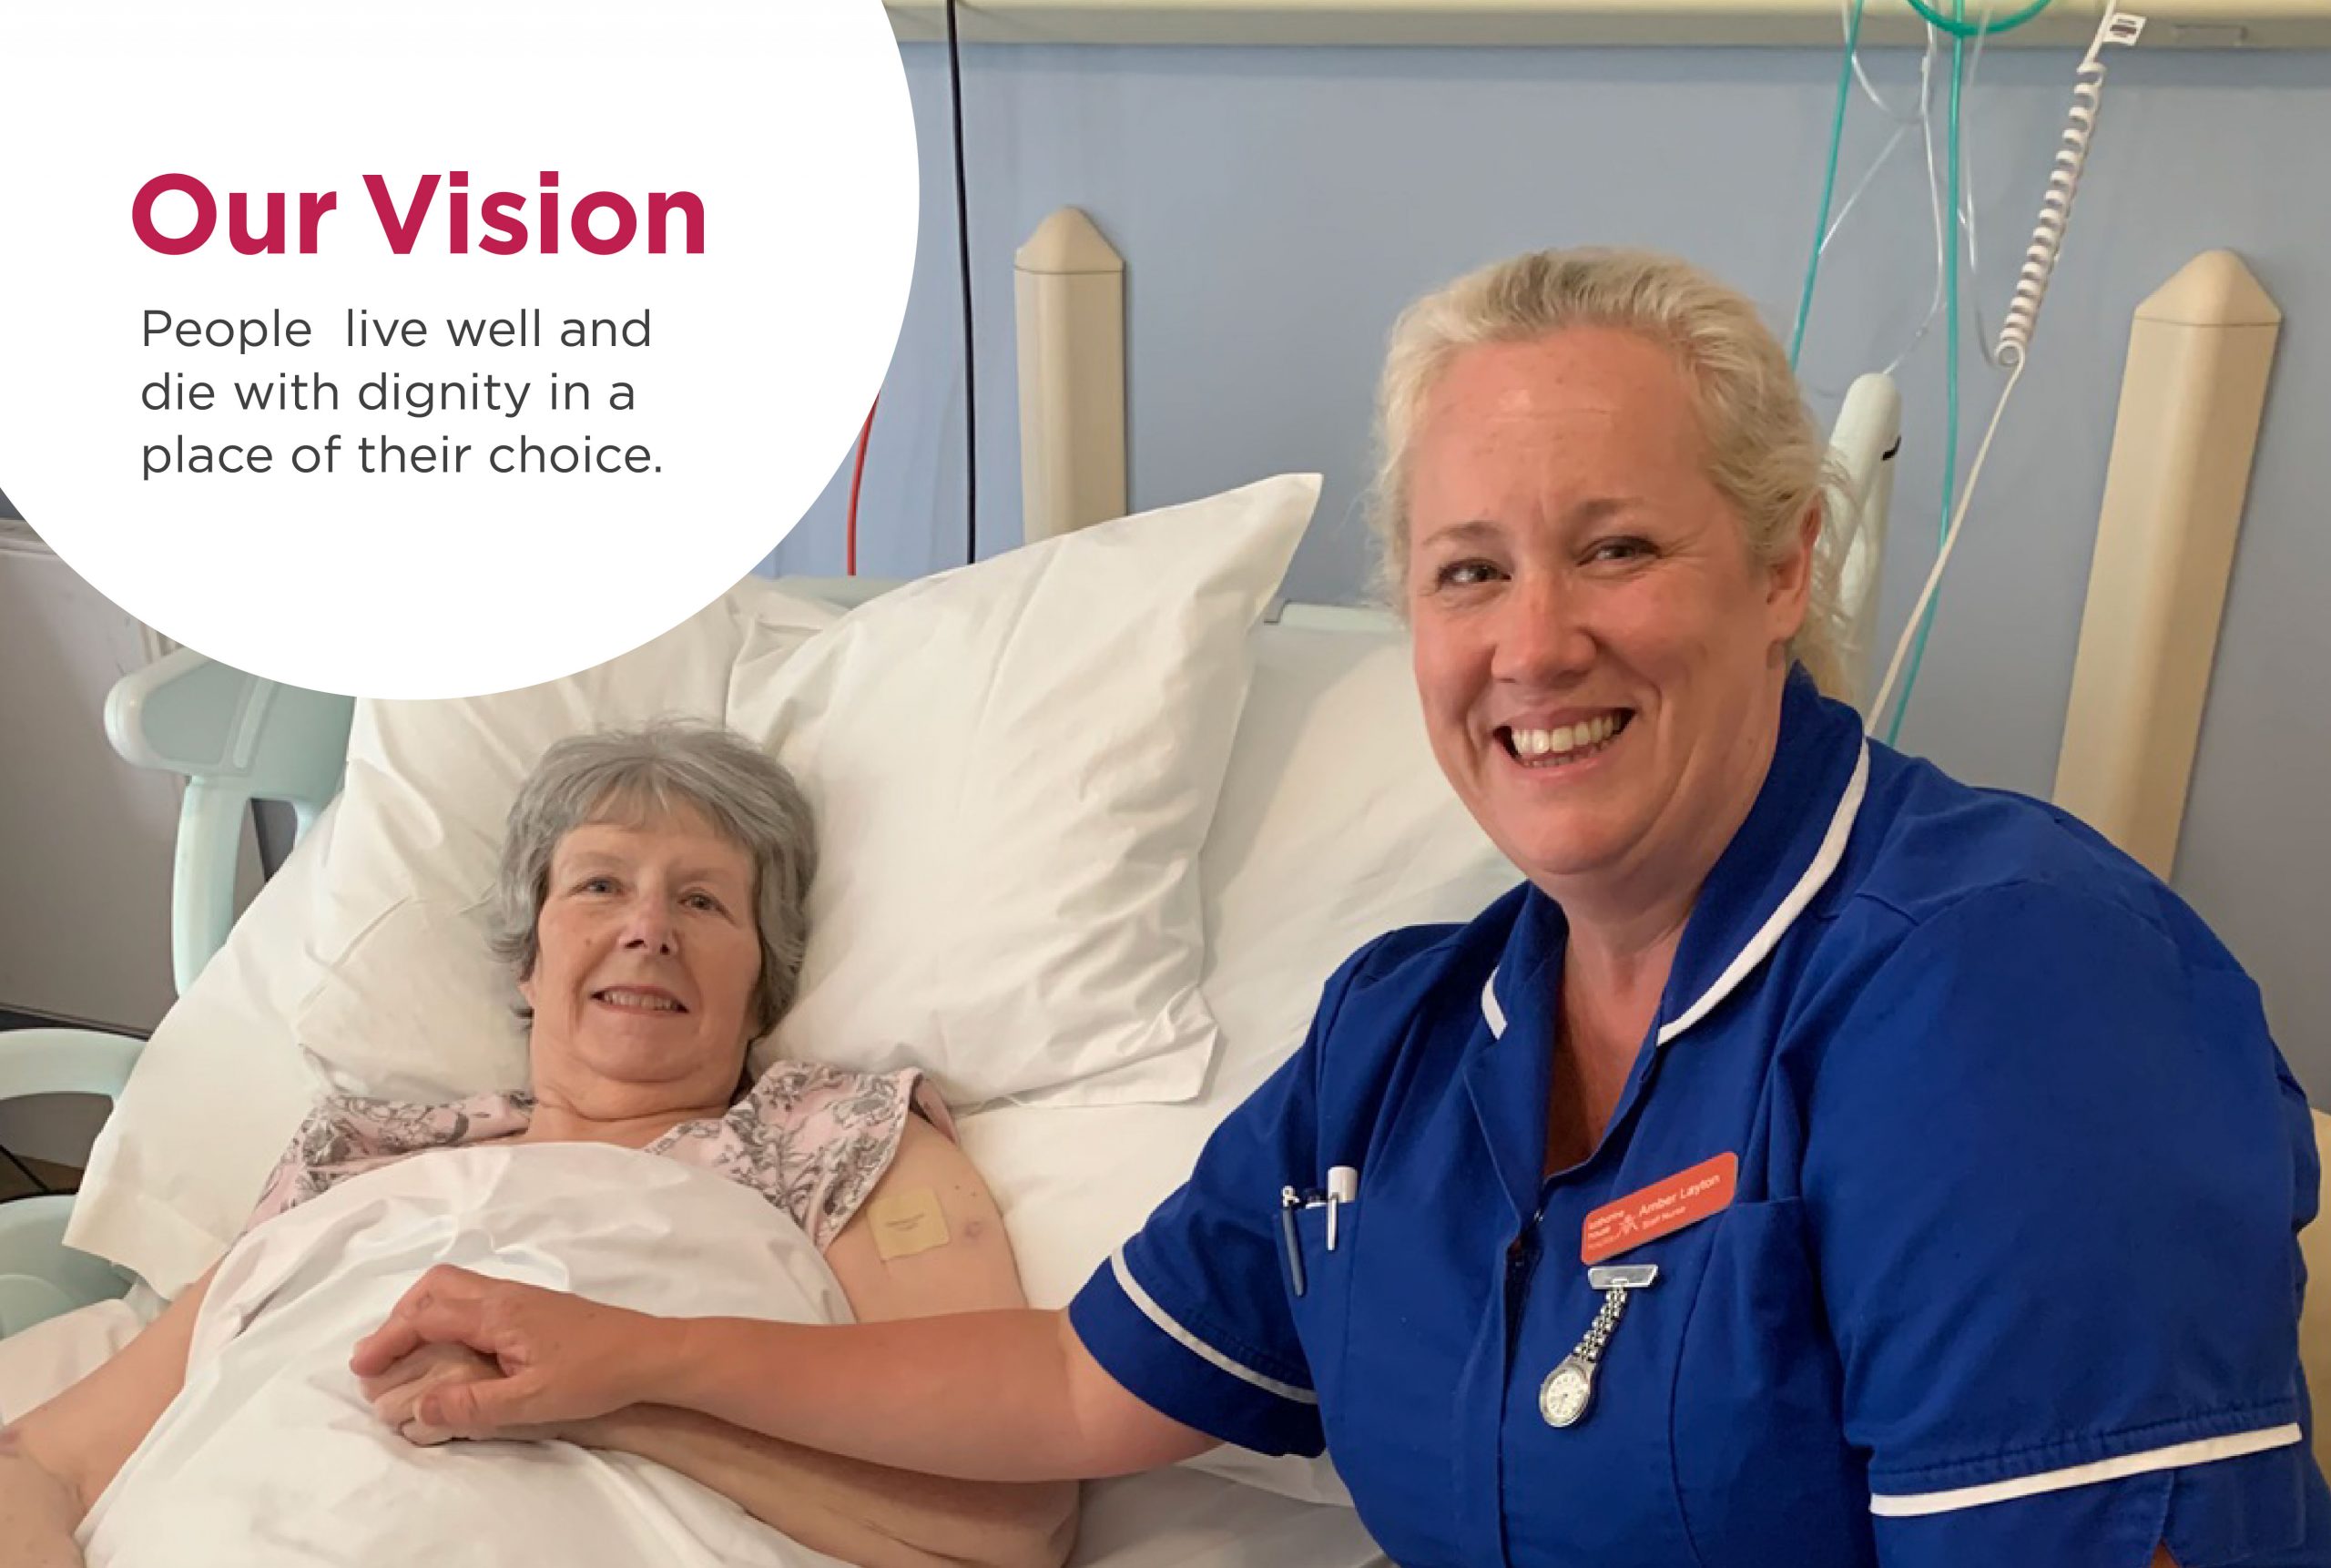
1660 1209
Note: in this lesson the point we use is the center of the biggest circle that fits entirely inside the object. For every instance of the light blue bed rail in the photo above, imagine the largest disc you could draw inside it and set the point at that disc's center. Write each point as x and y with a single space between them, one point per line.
235 738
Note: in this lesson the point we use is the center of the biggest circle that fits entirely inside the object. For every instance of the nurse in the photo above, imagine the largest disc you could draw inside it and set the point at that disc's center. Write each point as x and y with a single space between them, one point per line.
1814 1162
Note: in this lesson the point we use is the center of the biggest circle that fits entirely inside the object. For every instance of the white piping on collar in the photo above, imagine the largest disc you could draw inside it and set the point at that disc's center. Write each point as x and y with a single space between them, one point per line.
1768 936
1816 876
1490 1010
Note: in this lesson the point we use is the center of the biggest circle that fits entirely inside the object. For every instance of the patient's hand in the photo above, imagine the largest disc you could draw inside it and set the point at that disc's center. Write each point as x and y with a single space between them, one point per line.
558 1357
396 1393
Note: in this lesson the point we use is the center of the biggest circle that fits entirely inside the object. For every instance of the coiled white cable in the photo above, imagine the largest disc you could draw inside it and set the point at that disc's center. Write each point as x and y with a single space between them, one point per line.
2023 312
2063 184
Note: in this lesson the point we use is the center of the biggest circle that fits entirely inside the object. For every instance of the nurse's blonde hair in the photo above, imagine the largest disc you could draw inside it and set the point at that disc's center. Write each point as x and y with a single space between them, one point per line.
1764 453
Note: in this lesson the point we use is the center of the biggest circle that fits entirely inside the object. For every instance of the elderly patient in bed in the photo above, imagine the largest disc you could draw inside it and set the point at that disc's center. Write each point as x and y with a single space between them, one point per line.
652 907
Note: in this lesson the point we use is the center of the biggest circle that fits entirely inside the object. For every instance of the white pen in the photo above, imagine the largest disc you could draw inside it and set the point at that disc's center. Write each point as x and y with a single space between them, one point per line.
1343 1186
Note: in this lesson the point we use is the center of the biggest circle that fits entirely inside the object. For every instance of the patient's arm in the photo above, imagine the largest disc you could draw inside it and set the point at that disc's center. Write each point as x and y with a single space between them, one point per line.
813 1498
891 1263
56 1461
846 1508
38 1512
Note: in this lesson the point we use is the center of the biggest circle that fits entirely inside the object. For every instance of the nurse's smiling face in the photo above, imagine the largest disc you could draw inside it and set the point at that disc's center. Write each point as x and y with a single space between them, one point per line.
1599 655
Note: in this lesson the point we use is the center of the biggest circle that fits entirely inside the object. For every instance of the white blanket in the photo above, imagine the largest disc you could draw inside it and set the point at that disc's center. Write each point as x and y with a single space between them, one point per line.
271 1455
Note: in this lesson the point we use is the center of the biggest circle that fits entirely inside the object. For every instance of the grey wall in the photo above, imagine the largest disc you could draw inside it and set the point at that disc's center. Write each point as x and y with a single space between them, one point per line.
7 510
1276 208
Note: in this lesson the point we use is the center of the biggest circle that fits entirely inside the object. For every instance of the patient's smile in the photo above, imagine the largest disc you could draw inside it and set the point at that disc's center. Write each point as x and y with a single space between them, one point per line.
629 1000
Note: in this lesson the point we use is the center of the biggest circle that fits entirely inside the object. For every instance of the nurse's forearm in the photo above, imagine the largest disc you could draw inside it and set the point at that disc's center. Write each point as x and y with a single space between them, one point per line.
864 1513
38 1513
980 1396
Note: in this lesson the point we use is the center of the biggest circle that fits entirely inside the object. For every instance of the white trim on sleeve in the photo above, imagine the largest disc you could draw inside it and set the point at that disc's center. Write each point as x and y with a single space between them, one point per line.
1913 1504
1193 1344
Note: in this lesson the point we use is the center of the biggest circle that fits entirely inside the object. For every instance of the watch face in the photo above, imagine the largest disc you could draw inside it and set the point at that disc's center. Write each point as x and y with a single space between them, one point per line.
1562 1398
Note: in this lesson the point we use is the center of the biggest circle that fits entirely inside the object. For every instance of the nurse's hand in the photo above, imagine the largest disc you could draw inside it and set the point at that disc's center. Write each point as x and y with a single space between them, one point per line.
396 1394
547 1357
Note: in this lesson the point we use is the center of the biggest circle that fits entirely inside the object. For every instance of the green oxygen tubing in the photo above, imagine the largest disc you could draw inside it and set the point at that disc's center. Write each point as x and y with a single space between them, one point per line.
2117 28
1924 620
1958 26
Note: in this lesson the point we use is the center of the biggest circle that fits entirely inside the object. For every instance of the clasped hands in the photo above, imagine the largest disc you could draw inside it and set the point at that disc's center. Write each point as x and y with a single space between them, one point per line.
465 1355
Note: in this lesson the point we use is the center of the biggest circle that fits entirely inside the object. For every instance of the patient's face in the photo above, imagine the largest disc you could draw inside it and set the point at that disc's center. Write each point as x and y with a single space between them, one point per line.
648 954
1596 649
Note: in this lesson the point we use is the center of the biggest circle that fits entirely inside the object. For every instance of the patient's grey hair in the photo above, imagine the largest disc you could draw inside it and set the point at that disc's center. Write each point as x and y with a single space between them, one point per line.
666 768
1764 453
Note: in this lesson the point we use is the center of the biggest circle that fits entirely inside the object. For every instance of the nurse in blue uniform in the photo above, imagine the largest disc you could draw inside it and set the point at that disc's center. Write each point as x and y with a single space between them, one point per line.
1814 1162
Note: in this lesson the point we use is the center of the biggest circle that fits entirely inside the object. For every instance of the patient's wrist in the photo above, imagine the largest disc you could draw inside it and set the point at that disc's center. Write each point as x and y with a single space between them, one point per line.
32 1494
592 1431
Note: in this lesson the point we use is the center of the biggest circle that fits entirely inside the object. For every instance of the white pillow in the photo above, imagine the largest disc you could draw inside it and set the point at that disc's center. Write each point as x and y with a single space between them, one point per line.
1013 766
1335 826
368 947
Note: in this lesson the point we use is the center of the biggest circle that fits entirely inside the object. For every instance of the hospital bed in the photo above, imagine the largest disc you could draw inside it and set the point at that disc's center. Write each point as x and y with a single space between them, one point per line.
235 738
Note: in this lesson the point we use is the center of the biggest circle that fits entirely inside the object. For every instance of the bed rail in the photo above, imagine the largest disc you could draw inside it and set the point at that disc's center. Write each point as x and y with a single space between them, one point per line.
40 1277
235 738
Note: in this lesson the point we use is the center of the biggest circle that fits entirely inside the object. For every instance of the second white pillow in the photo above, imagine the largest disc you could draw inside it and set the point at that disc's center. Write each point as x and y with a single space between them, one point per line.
1013 766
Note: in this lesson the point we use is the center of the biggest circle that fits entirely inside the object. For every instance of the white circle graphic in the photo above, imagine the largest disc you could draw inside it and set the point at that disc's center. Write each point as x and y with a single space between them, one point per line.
433 349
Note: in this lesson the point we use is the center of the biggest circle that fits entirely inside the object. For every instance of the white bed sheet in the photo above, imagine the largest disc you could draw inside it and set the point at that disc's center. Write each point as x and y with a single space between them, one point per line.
1181 1519
1169 1519
271 1457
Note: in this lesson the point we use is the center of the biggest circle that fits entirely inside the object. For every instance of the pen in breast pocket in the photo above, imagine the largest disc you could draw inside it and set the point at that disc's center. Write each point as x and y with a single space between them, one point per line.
1343 1185
1289 1200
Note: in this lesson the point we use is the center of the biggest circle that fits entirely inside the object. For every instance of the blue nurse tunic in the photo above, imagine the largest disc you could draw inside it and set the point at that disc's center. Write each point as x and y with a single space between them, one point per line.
2007 1274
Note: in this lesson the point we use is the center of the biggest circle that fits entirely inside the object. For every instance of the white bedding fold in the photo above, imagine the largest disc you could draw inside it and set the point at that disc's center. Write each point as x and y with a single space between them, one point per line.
271 1456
